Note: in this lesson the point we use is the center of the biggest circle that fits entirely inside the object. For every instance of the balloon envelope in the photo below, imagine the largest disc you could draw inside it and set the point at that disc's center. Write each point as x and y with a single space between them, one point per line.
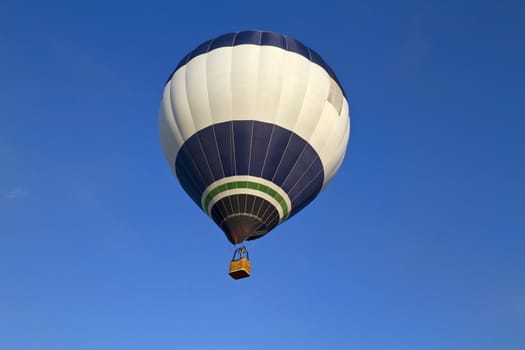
254 125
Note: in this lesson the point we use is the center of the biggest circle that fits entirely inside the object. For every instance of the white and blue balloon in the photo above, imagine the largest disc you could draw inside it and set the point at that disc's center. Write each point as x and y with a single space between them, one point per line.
254 125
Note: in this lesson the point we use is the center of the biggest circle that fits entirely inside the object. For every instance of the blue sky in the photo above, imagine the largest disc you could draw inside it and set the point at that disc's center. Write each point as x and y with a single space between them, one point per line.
418 242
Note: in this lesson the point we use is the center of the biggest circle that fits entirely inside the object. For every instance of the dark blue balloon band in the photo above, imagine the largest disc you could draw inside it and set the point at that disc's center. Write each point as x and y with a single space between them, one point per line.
249 147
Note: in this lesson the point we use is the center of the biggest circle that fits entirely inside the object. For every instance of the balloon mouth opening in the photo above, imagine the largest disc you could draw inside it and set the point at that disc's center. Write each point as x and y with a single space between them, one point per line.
241 227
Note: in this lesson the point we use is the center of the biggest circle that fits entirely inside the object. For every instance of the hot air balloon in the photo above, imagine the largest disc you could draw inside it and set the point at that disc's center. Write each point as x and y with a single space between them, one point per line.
254 125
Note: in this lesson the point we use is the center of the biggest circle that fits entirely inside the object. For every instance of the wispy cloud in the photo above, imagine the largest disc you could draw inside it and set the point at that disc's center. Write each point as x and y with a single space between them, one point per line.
16 193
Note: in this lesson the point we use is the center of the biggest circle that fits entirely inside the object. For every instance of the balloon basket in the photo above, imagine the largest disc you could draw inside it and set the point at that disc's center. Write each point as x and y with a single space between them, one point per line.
240 266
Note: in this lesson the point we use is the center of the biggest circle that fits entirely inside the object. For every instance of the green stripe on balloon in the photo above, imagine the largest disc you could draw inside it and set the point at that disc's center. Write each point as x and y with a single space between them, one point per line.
250 185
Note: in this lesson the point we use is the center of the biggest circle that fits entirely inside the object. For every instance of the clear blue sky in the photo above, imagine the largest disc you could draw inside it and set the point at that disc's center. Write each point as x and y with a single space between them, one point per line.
417 244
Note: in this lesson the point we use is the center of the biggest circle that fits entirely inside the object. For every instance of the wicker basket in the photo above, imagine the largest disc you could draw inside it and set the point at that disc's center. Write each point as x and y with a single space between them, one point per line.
240 268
